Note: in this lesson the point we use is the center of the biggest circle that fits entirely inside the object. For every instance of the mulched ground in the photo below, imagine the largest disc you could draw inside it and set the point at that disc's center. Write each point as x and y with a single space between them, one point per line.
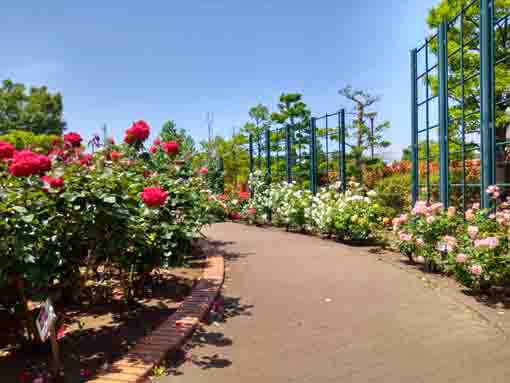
91 337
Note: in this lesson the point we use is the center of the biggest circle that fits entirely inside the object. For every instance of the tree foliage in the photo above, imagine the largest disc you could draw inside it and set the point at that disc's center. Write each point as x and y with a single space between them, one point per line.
37 111
364 139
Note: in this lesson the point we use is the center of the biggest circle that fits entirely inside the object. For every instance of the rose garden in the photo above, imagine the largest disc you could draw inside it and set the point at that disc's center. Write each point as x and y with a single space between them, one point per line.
301 248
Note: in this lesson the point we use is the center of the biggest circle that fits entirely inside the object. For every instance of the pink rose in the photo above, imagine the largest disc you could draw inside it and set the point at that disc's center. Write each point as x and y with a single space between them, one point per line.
461 258
476 270
473 231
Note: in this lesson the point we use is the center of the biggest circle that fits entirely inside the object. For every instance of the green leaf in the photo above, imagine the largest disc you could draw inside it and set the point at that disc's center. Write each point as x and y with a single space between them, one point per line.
110 199
28 218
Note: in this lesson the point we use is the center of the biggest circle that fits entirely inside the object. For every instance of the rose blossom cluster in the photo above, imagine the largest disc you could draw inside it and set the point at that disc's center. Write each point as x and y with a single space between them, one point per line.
154 196
493 191
170 147
72 140
6 150
137 133
26 163
488 243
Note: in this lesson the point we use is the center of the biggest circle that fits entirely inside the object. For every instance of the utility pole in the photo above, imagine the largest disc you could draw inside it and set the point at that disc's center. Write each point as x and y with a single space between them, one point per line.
105 138
210 121
372 116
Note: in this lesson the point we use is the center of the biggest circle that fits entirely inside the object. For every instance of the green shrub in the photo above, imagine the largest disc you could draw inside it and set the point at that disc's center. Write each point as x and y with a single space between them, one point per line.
394 193
21 139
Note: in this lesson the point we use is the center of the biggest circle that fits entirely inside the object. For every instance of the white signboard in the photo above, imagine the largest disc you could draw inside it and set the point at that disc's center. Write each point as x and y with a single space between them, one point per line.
45 320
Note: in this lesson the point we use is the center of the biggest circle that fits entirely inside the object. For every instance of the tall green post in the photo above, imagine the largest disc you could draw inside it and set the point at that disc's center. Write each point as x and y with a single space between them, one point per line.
342 154
443 113
486 107
313 157
288 154
268 168
251 152
414 126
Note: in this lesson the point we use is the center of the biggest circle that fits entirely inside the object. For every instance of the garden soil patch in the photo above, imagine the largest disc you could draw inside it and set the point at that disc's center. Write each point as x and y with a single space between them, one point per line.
92 337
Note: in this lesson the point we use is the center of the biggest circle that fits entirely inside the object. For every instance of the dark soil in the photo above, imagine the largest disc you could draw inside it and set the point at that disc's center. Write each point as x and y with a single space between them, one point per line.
93 336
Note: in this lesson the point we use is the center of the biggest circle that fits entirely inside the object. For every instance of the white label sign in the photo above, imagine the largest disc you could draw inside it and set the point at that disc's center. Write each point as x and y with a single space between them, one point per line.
45 319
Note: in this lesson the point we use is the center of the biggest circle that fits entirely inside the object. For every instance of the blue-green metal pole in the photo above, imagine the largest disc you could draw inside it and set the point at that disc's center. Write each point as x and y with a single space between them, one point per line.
251 154
414 125
443 113
268 167
313 157
487 146
288 154
343 164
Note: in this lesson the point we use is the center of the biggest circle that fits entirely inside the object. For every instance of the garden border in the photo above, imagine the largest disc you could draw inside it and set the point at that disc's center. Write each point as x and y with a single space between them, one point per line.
137 364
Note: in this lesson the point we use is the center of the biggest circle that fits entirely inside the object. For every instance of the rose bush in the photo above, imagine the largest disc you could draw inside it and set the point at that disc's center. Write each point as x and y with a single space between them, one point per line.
474 247
66 215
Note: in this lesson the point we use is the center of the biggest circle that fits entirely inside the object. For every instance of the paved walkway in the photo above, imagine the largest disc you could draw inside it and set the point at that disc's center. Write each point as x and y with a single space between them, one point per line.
299 309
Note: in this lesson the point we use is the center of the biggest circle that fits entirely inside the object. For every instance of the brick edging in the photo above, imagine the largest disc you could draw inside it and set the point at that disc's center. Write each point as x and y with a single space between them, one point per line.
136 365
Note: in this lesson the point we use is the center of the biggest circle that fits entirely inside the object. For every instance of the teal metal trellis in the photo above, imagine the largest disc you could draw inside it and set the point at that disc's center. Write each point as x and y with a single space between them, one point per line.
460 128
312 155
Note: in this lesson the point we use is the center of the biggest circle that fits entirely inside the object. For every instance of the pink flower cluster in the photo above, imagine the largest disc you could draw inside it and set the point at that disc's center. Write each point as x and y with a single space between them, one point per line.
489 243
422 208
493 191
451 243
405 237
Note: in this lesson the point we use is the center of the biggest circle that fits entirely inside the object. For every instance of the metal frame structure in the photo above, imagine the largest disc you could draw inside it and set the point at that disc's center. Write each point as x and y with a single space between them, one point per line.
317 157
469 112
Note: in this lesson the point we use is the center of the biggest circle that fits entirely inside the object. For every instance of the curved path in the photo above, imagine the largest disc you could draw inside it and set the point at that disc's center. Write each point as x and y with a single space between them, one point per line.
299 309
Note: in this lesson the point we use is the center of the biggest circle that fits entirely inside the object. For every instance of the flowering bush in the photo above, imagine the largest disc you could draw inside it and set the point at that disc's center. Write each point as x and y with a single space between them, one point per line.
260 203
474 248
66 214
353 215
289 203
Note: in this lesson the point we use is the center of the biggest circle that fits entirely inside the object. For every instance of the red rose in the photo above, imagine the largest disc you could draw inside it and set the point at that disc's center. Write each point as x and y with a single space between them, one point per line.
72 139
154 196
138 133
153 149
53 182
235 216
115 155
251 211
243 196
157 141
27 163
171 147
6 150
130 140
86 159
203 170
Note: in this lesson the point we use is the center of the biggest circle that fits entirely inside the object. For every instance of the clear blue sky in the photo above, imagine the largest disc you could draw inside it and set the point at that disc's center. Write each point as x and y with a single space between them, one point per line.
116 62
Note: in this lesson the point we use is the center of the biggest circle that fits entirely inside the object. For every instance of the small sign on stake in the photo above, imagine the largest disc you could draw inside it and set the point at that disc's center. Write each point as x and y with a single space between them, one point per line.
45 323
45 320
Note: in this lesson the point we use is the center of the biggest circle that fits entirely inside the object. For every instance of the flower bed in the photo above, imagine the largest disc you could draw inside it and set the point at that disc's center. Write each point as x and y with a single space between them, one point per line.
73 222
473 248
351 216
